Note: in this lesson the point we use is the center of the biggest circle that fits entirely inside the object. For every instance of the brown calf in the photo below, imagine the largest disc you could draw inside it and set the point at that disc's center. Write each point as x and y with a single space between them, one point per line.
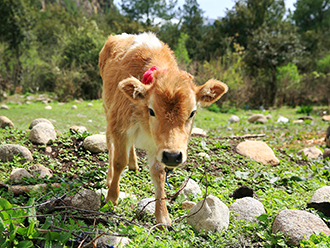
151 104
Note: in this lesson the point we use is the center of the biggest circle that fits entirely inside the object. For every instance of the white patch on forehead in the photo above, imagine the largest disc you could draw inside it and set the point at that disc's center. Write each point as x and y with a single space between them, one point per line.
146 39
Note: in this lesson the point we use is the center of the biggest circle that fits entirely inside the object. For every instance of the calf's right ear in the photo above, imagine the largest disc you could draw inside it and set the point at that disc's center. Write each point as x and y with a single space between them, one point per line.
133 89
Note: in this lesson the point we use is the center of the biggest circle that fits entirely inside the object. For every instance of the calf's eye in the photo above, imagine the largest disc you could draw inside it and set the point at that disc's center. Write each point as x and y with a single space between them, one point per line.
151 112
192 114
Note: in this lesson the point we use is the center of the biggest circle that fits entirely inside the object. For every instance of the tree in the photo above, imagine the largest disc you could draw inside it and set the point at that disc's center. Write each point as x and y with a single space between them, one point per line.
192 25
148 9
248 15
312 14
269 48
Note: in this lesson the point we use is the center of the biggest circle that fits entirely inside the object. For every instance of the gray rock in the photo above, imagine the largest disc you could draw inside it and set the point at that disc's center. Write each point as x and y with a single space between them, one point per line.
321 195
74 107
86 199
17 174
41 170
42 133
39 120
247 209
282 119
48 107
8 152
258 151
30 98
4 106
192 188
213 216
114 241
298 225
150 207
311 152
304 118
257 118
90 104
96 143
188 204
269 117
233 119
6 122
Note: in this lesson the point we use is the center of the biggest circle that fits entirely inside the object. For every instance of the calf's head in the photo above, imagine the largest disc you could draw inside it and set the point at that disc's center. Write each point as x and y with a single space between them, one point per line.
169 105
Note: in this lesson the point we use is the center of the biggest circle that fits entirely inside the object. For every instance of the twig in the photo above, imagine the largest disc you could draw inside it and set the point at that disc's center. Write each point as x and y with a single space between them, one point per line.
97 237
243 136
153 227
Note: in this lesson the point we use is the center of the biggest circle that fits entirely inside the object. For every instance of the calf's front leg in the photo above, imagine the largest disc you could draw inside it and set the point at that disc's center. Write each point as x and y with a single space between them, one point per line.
157 173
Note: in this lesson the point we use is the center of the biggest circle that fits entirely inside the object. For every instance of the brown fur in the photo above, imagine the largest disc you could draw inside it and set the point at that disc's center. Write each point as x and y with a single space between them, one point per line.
172 96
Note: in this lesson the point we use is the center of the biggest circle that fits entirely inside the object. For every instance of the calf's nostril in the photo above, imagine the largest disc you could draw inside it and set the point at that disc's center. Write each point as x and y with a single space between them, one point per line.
170 158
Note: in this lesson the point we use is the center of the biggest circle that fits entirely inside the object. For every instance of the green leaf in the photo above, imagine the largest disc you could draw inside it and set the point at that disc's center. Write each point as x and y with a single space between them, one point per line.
12 232
64 237
2 225
25 244
31 211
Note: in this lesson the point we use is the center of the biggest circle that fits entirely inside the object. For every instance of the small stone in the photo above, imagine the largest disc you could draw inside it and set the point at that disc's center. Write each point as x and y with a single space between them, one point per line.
192 188
282 119
61 103
233 119
48 149
311 152
247 209
17 174
48 107
326 118
203 155
269 117
74 107
90 104
213 216
9 151
86 199
78 129
304 118
41 170
188 204
257 118
198 131
30 98
113 241
96 143
258 151
6 122
80 115
298 225
4 106
150 206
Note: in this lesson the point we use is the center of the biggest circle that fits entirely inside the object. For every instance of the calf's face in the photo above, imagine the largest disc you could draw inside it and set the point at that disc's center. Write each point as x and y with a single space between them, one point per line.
170 104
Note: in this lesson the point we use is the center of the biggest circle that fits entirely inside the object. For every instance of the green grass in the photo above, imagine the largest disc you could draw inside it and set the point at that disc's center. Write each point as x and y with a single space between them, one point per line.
297 178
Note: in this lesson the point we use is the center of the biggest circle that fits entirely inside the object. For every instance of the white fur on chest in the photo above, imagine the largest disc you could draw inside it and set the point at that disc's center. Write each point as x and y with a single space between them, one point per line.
140 138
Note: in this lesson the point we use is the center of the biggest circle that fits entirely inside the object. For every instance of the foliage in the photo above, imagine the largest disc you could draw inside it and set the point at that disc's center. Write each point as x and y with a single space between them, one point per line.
305 110
181 52
316 241
323 65
149 10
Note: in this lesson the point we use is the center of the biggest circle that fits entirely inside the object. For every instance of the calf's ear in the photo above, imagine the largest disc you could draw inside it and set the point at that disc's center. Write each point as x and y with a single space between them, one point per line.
210 92
133 89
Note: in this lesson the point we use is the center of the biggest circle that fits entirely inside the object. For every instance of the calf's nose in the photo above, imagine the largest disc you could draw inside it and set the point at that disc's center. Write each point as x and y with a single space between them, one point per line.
172 159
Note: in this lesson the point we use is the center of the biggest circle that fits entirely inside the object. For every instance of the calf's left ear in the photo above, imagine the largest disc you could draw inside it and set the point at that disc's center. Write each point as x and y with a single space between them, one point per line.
210 92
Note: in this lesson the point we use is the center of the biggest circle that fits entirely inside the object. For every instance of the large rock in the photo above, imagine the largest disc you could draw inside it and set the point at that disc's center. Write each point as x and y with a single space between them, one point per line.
6 122
198 131
41 170
192 188
258 151
257 118
311 152
37 121
298 225
42 133
213 216
247 209
96 143
8 152
86 199
321 200
17 174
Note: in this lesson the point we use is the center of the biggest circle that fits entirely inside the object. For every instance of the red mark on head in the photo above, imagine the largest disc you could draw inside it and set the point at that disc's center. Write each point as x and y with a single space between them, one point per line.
147 76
